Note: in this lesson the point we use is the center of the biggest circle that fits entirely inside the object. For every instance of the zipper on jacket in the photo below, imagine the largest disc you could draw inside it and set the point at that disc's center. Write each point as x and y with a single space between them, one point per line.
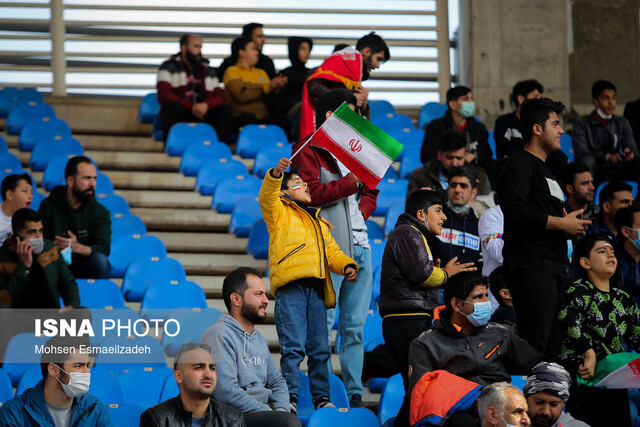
292 252
314 220
86 411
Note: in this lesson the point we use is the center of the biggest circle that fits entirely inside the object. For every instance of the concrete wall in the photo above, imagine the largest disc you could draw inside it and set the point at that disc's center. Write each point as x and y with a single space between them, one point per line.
606 41
505 41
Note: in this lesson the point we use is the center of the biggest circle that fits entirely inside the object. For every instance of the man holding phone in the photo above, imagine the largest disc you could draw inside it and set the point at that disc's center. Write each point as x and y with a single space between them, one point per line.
32 271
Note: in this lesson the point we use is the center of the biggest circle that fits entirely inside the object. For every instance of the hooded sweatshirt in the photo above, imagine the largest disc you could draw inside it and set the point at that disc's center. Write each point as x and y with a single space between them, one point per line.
297 73
248 378
459 237
91 222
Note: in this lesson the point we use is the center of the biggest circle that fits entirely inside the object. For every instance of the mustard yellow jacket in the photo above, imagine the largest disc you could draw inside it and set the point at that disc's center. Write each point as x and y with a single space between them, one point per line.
300 245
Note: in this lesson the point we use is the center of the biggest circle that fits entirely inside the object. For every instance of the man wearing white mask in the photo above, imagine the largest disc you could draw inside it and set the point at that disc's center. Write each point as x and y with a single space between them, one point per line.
603 141
60 399
32 271
460 116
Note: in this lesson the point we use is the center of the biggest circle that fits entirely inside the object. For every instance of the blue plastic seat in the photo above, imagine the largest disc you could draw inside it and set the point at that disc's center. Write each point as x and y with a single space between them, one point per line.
430 111
11 95
104 184
143 271
229 190
258 244
566 145
54 171
164 295
99 293
253 137
37 199
19 355
372 331
410 162
305 404
125 248
4 148
245 212
41 127
116 363
142 386
391 191
492 145
183 134
127 414
343 417
198 152
149 108
29 379
6 389
391 218
596 195
374 230
156 131
380 106
375 291
106 386
23 111
388 122
115 204
49 147
125 316
518 381
10 164
126 224
391 398
169 389
411 139
390 173
193 322
268 155
377 250
212 171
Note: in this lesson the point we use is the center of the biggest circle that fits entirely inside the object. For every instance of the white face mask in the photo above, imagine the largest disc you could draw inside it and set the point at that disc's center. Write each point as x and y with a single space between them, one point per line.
424 221
38 245
505 421
78 383
602 114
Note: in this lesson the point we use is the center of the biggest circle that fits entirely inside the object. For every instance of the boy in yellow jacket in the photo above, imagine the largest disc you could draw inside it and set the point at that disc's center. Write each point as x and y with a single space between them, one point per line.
302 254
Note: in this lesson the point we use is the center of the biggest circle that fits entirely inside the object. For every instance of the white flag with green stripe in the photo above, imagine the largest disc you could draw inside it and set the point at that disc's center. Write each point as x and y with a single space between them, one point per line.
365 149
619 370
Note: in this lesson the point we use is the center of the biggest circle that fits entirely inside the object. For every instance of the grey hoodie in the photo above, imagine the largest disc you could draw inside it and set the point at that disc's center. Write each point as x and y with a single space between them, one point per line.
248 378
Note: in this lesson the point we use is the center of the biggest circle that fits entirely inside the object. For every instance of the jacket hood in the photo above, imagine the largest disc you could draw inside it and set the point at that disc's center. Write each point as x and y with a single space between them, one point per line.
294 45
59 196
407 219
248 340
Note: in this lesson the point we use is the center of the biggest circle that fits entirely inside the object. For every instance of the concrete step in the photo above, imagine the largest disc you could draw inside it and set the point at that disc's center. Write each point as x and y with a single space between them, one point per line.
212 285
219 304
135 161
138 180
169 219
216 264
202 242
165 199
106 142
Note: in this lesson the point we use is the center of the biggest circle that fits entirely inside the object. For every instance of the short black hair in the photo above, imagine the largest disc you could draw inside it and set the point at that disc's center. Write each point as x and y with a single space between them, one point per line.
497 282
72 165
236 282
247 30
607 194
460 286
452 140
422 200
624 216
536 112
238 44
339 47
600 86
524 88
10 182
330 101
375 43
583 247
465 171
568 175
286 177
20 218
50 355
184 40
456 92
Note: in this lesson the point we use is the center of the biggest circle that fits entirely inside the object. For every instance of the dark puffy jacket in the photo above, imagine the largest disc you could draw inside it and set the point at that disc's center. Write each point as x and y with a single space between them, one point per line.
491 353
408 278
171 413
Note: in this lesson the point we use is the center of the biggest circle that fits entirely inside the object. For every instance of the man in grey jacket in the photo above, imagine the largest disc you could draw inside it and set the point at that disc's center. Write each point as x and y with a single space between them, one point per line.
248 379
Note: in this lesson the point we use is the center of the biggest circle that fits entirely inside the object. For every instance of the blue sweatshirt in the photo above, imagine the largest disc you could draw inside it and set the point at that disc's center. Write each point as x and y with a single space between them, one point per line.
248 378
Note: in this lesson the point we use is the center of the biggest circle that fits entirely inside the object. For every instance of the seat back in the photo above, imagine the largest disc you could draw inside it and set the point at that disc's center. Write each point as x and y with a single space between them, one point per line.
391 218
126 224
99 293
125 248
193 322
149 108
430 111
197 152
391 191
164 295
245 212
142 386
143 271
48 147
29 379
41 127
229 190
391 398
343 417
183 134
305 403
114 363
258 244
23 111
6 389
380 106
212 171
390 121
115 204
20 356
253 137
268 155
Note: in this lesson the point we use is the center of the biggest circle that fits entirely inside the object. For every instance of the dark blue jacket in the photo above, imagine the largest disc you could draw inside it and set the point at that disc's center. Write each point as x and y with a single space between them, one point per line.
459 238
30 409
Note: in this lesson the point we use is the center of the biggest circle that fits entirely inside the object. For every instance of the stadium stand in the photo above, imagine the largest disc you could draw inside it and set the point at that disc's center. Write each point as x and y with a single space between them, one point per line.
184 134
23 111
253 137
41 127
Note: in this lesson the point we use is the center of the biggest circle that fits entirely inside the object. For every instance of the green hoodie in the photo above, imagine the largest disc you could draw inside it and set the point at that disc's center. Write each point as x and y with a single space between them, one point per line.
91 222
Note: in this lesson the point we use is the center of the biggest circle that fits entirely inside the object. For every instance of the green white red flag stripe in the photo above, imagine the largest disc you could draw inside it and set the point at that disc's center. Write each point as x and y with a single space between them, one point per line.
619 370
365 149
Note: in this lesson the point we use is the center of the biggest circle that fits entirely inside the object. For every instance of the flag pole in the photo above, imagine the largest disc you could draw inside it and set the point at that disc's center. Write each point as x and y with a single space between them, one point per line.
303 145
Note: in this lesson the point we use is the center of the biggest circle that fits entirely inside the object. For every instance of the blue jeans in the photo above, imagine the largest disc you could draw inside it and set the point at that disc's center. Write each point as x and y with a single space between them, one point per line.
353 301
95 266
301 322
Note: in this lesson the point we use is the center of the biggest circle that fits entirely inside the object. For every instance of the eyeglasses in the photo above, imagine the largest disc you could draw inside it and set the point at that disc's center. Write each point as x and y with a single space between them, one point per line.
188 346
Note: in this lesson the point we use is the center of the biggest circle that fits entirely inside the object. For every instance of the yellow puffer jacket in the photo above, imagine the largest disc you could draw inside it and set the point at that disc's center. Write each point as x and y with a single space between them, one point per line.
299 245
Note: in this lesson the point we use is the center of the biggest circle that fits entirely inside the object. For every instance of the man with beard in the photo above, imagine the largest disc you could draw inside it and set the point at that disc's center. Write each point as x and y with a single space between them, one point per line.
248 379
77 223
347 68
536 227
547 391
188 90
579 189
195 372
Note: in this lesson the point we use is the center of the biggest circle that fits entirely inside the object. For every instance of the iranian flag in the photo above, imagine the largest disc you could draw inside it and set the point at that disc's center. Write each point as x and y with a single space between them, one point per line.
365 149
619 370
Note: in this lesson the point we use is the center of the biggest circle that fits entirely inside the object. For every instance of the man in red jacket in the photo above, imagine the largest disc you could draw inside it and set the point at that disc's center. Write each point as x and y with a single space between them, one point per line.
188 90
346 203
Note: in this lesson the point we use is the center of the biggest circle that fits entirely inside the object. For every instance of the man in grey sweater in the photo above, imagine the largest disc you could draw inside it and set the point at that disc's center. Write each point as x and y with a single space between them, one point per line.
248 379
